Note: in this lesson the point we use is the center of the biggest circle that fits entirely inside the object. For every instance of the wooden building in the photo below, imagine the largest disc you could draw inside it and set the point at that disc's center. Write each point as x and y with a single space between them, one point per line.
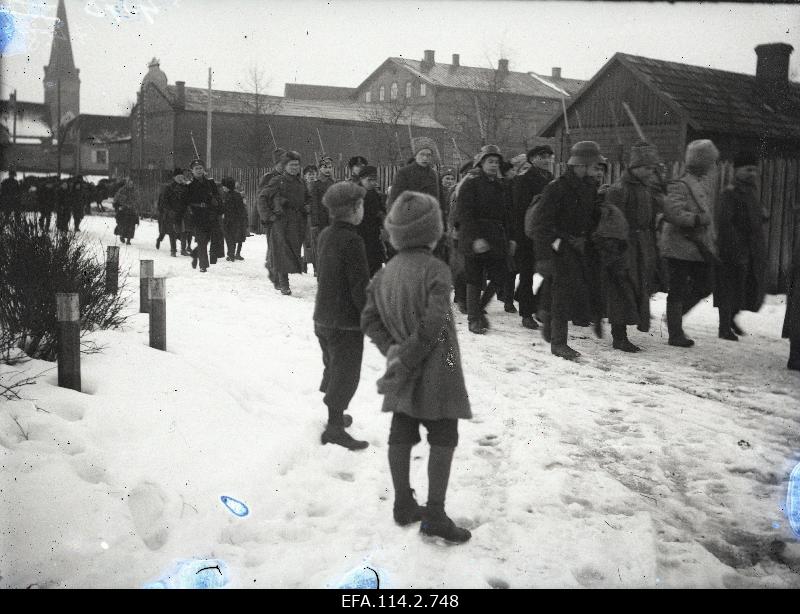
678 103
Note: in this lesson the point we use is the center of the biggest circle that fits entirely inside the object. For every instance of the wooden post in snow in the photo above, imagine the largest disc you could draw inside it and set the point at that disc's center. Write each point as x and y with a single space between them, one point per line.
145 273
112 269
158 313
69 340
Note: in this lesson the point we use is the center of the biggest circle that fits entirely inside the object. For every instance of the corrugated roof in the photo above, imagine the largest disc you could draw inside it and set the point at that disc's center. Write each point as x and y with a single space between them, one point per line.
243 102
711 100
721 101
305 91
480 79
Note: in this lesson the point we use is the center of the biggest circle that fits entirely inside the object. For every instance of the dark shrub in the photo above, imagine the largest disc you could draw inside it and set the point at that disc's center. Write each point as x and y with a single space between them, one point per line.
34 266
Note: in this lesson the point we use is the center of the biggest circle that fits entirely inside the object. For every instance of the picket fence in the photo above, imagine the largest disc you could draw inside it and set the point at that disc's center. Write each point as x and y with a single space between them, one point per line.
780 197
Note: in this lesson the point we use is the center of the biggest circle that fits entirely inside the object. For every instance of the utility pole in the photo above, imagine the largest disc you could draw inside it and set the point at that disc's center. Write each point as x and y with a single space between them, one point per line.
14 130
208 123
59 134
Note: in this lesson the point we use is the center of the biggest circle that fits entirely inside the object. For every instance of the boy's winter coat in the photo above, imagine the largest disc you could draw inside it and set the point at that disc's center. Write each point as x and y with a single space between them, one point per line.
235 222
286 197
688 232
408 310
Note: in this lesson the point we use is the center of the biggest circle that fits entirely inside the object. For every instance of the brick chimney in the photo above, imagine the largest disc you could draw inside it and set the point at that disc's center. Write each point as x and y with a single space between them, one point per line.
556 74
772 70
180 94
456 60
502 67
428 61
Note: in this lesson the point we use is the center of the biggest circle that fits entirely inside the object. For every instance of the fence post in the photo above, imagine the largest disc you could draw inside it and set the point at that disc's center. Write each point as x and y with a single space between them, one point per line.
112 269
158 313
69 340
145 273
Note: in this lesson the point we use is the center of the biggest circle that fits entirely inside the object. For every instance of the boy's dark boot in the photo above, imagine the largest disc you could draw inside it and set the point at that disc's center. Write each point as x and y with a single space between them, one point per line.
435 522
406 510
529 322
619 334
335 433
675 325
474 309
558 341
283 283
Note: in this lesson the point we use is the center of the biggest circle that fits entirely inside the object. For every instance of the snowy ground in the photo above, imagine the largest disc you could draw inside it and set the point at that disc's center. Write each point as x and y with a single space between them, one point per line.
667 469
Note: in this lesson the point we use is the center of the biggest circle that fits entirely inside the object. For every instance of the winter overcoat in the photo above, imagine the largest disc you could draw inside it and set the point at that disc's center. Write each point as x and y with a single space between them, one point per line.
791 322
343 277
621 296
742 248
523 188
417 179
483 213
567 211
688 232
126 203
286 197
203 205
319 213
370 229
636 201
265 212
235 224
408 306
171 207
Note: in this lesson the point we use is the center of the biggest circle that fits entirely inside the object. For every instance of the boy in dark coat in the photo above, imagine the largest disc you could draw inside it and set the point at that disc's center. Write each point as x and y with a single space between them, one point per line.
235 222
419 175
374 213
791 322
742 248
266 214
343 278
203 201
524 188
408 317
563 222
483 233
318 215
126 204
171 205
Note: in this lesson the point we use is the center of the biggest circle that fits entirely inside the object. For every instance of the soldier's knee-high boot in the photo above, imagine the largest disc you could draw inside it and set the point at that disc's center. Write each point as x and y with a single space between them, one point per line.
675 324
474 311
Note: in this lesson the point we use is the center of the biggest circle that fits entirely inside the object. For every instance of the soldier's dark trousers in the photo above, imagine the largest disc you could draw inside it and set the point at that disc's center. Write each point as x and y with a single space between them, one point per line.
524 294
200 251
341 358
559 330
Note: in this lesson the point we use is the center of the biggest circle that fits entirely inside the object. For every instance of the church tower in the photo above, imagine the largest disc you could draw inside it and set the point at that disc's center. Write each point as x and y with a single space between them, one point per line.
61 74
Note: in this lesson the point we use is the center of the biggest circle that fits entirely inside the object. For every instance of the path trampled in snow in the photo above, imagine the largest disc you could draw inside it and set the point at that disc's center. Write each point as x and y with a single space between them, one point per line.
664 469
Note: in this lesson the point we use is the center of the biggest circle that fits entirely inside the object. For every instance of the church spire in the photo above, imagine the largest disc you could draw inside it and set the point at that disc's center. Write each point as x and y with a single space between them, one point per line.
61 61
62 84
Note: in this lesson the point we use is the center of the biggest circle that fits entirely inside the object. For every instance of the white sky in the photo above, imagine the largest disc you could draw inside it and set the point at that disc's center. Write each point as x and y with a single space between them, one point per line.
341 42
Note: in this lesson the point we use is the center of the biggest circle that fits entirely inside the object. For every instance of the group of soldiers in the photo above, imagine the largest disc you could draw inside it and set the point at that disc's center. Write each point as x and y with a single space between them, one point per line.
70 199
571 249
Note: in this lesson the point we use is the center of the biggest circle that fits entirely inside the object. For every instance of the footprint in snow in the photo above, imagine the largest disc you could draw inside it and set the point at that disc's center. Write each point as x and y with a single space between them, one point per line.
147 502
497 583
488 440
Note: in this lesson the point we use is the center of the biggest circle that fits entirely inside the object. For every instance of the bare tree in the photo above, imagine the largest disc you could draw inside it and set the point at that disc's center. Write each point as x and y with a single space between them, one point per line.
260 106
391 121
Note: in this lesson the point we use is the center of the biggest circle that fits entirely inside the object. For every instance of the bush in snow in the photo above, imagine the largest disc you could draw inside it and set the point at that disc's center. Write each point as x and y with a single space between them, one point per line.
34 266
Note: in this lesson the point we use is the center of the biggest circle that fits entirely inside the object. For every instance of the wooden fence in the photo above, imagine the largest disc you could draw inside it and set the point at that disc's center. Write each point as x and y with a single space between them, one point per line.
780 197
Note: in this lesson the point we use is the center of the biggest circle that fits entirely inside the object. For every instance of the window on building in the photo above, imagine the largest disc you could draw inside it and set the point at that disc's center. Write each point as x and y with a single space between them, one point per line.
408 89
368 96
382 93
423 89
101 156
393 91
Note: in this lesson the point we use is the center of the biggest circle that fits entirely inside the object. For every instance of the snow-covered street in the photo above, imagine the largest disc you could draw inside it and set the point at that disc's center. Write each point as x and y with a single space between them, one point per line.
664 469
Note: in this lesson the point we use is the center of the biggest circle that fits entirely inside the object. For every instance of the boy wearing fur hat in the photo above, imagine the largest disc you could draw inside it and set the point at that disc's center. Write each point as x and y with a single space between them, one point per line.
742 248
562 223
687 241
419 175
171 206
483 233
343 278
630 284
408 317
355 164
374 213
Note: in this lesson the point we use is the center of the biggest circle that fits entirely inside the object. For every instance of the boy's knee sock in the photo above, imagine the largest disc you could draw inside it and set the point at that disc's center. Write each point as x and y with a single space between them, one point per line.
400 468
439 462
